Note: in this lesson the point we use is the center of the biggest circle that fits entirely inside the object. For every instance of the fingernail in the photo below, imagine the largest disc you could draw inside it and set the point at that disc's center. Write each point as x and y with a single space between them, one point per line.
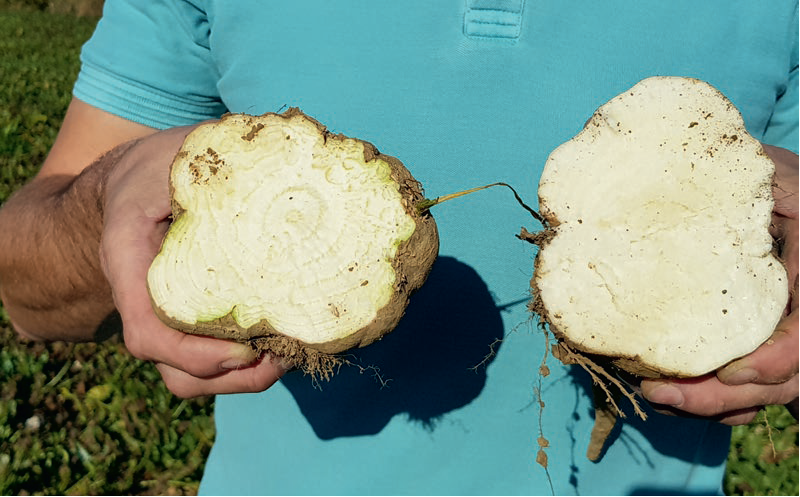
665 394
740 377
241 357
233 364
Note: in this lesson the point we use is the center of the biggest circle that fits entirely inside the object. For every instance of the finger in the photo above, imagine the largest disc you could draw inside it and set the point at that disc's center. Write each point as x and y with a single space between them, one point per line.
708 397
733 418
147 338
784 226
785 184
198 356
785 232
773 362
129 246
740 417
254 378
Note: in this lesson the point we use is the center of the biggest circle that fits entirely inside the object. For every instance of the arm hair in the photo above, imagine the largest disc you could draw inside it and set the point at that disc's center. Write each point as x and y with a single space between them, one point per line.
51 281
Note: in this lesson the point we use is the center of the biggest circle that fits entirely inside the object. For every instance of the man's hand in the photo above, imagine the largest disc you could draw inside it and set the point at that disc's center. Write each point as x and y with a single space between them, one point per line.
738 391
78 241
136 217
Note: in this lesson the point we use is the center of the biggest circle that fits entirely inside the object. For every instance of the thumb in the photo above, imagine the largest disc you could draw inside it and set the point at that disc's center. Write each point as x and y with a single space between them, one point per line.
775 361
785 180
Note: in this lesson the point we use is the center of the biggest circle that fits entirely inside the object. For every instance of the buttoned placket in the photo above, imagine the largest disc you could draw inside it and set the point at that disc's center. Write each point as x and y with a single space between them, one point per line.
497 19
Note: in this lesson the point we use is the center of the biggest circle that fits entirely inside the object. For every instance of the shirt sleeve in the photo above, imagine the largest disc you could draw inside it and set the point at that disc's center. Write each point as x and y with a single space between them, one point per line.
150 62
782 128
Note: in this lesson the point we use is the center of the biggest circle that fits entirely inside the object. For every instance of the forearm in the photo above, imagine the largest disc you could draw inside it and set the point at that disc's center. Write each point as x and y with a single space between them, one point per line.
51 281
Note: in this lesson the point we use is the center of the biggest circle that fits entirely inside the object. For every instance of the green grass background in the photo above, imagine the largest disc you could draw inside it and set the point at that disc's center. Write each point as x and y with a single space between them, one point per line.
78 419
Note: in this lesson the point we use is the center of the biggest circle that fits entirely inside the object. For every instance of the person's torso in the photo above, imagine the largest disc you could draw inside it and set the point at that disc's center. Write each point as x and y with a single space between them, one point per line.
467 93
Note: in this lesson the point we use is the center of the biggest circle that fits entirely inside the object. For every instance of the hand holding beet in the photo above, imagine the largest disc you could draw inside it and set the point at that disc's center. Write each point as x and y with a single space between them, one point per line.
136 216
293 240
736 393
657 259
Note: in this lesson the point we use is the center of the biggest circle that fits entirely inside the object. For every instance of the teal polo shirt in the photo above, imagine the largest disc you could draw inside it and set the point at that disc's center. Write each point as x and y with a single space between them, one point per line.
465 93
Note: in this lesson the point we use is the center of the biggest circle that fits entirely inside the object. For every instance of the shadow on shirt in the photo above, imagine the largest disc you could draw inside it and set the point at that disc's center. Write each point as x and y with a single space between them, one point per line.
701 442
432 363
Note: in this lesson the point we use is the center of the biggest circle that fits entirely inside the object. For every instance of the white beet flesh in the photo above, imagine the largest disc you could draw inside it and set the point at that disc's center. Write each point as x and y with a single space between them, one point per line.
281 229
661 254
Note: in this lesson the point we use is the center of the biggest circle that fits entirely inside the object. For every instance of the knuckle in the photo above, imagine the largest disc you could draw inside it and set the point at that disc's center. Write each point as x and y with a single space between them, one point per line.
178 388
134 342
177 383
715 406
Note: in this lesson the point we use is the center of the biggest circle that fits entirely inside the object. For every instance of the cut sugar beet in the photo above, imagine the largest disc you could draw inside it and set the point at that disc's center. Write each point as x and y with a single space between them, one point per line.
298 241
656 256
659 253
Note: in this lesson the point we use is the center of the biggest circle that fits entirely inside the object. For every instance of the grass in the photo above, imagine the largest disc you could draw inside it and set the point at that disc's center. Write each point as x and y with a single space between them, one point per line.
77 418
763 457
38 63
90 419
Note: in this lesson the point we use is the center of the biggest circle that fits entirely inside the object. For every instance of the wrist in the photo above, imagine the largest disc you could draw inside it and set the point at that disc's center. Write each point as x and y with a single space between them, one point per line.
53 287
